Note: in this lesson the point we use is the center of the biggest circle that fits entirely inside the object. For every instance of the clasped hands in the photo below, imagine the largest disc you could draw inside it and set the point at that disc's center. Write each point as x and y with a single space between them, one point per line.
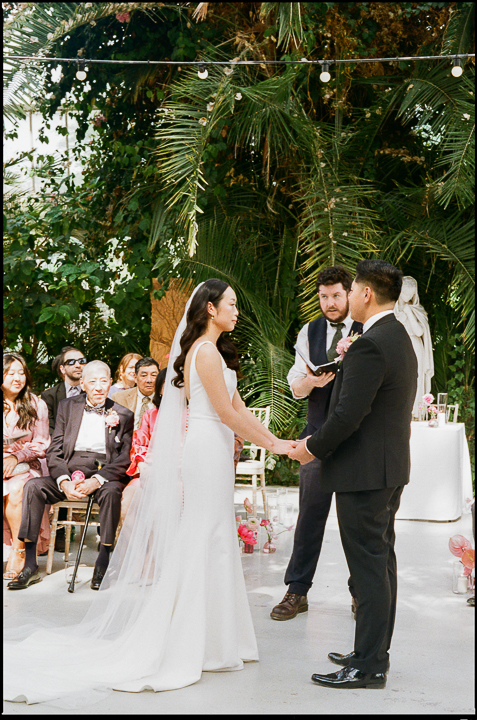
295 449
79 489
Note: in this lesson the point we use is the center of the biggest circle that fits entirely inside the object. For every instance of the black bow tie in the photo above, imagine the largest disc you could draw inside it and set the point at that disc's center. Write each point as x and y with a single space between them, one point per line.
98 409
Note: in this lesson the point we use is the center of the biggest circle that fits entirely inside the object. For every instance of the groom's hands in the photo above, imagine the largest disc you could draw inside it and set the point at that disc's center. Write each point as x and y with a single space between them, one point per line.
300 453
282 447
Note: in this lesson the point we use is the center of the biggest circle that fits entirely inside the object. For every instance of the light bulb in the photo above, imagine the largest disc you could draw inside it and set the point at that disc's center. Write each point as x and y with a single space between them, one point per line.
325 75
81 73
457 68
202 72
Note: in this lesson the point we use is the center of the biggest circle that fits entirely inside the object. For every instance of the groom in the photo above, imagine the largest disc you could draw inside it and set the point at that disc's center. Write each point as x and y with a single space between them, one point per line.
364 448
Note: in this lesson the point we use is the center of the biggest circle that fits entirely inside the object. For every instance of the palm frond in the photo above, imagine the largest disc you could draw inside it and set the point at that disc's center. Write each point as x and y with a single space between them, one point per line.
287 16
459 31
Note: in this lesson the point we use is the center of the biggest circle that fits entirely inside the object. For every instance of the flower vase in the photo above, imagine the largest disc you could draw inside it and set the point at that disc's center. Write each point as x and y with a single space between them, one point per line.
247 548
460 584
433 422
269 547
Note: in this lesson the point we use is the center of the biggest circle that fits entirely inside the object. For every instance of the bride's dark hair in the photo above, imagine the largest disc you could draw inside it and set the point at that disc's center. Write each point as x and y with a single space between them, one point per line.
197 319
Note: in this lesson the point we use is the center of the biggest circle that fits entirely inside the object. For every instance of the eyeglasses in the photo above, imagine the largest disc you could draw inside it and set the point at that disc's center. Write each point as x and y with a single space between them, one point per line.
73 361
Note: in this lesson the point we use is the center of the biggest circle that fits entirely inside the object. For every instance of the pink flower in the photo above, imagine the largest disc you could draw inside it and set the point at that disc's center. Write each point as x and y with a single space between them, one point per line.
239 518
78 476
468 560
428 398
264 523
111 419
98 120
344 344
246 534
458 544
247 505
123 17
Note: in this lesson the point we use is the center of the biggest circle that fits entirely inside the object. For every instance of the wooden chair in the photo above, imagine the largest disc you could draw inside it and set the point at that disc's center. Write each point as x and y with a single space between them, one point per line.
455 408
255 467
77 506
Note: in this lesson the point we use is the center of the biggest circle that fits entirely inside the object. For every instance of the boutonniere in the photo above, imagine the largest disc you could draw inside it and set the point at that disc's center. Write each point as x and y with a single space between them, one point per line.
344 345
111 418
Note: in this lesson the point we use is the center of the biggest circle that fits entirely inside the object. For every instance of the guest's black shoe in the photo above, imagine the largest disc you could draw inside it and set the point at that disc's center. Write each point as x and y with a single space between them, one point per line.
25 578
98 575
349 678
471 601
354 606
60 540
343 660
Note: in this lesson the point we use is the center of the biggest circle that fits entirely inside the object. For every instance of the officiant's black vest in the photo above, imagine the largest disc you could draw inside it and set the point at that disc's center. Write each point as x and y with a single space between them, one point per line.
318 399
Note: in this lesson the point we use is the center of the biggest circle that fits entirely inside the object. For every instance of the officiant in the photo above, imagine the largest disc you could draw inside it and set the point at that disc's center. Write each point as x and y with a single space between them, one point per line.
316 342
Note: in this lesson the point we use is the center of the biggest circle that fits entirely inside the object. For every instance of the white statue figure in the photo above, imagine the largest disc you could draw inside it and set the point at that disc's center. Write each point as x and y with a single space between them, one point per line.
412 315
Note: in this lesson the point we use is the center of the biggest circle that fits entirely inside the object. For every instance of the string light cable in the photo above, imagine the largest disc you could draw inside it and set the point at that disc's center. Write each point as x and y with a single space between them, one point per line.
201 65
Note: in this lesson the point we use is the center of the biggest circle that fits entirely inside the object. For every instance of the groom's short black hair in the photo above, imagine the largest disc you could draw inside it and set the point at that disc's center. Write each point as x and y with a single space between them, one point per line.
334 275
384 279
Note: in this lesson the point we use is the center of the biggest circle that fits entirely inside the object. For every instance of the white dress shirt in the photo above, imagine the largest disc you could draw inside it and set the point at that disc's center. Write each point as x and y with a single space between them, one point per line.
91 438
374 318
298 371
137 411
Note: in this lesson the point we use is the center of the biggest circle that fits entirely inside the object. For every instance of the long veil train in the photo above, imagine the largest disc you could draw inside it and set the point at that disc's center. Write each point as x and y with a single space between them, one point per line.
123 634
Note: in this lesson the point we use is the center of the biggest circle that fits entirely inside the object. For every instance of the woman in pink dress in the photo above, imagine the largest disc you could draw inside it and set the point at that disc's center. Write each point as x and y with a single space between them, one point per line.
140 444
25 415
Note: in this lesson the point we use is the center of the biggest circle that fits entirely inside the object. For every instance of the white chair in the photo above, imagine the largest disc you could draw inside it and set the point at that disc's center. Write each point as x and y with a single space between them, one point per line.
255 467
455 408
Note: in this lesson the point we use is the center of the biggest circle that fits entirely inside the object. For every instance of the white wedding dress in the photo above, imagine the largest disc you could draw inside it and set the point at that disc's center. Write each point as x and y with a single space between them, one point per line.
159 630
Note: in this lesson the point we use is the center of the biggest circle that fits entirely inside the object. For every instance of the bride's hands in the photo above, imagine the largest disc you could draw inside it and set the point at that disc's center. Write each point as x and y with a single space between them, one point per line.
282 447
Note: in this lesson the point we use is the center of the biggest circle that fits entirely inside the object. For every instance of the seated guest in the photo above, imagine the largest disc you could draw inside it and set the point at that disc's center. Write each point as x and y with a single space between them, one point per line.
92 434
139 399
140 444
125 374
23 414
69 367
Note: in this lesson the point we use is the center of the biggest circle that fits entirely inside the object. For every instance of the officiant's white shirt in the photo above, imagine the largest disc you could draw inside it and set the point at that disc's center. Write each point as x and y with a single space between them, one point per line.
298 371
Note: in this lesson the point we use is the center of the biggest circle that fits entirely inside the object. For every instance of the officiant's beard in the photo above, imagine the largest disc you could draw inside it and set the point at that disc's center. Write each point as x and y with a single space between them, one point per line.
334 318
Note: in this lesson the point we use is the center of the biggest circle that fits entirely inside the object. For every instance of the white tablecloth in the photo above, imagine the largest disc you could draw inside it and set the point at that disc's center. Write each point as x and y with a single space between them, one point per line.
441 479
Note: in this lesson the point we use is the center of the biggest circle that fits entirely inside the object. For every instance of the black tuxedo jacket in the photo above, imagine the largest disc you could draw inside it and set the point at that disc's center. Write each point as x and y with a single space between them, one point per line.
118 441
318 399
364 443
52 396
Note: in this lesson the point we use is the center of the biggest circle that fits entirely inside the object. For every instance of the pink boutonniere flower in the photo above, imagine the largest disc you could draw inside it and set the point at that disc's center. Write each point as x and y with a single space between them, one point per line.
111 419
344 345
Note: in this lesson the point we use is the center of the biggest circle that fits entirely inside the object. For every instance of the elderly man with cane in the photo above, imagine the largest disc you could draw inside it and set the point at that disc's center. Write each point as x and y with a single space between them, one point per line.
90 430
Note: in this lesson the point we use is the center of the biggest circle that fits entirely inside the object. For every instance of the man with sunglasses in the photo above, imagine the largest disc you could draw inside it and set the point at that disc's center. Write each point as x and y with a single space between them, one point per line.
69 365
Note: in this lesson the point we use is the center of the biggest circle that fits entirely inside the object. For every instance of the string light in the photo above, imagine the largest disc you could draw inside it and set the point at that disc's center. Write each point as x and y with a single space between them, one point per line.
81 74
457 67
203 74
325 73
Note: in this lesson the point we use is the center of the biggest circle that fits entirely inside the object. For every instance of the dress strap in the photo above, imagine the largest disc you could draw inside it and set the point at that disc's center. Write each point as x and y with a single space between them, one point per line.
194 354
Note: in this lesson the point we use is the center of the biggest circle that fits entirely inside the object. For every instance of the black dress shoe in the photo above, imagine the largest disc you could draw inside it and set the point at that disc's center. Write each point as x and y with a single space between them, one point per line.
343 660
349 678
98 575
25 578
471 601
60 540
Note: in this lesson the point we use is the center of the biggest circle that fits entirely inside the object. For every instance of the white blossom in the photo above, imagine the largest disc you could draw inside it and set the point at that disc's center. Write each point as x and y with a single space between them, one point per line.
238 96
228 71
210 107
466 116
203 121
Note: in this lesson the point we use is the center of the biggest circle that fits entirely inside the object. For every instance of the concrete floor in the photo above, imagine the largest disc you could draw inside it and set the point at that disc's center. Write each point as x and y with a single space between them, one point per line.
432 655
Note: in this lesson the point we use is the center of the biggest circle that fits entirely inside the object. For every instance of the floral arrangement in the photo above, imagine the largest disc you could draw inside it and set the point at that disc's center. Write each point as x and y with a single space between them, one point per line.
461 548
344 344
427 401
269 546
111 418
247 531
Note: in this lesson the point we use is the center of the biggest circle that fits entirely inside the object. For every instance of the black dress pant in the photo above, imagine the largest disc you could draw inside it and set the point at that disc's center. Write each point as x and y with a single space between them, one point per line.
366 522
41 491
310 528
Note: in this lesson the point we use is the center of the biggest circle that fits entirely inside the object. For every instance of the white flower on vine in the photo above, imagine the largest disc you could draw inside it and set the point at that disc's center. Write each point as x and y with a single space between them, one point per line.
203 121
210 107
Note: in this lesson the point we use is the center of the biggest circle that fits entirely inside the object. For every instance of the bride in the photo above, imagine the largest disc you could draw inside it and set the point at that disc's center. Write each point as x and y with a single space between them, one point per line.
173 602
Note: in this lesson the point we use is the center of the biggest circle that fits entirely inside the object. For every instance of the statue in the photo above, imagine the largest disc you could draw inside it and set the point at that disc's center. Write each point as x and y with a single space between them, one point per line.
412 315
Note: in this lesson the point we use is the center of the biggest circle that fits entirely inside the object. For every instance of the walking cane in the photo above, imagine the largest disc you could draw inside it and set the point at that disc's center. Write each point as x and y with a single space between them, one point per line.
71 586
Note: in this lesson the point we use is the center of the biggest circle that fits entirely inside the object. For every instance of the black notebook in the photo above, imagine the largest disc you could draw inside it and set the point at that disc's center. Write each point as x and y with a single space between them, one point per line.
318 369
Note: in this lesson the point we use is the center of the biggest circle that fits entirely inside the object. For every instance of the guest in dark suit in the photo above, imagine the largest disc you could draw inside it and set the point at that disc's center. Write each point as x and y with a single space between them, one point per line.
317 340
89 429
364 449
69 367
